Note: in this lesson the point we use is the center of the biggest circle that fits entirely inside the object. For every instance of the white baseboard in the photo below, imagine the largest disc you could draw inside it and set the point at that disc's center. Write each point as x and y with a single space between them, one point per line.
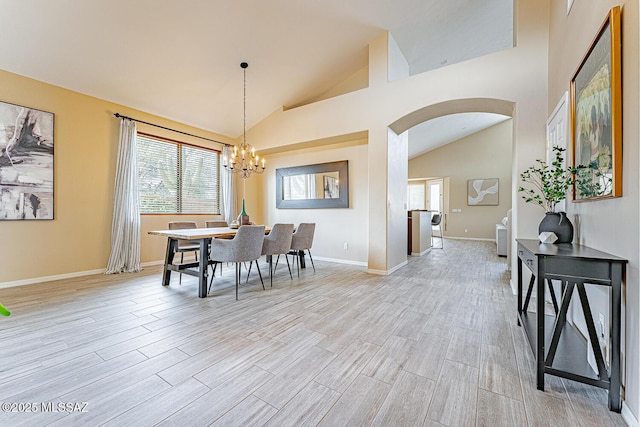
421 253
342 261
152 263
387 272
628 416
471 238
34 280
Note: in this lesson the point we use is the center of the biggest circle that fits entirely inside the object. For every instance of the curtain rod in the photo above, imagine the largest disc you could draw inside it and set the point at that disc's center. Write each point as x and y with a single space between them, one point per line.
120 116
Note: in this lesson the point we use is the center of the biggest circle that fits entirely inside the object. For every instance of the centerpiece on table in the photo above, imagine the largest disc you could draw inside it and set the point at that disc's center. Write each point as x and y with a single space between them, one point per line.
549 185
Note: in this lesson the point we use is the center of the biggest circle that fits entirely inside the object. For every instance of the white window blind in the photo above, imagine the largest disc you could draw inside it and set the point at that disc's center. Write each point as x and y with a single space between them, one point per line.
175 178
299 187
416 196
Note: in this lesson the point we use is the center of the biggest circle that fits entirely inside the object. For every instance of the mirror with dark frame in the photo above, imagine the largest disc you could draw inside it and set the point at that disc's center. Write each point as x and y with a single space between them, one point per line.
323 185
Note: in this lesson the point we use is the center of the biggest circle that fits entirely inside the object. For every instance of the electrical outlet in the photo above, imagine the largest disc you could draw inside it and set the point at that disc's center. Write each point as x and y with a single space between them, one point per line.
346 246
465 230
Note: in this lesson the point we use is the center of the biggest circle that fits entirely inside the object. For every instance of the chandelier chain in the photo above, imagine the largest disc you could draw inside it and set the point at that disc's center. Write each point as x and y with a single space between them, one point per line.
244 110
243 159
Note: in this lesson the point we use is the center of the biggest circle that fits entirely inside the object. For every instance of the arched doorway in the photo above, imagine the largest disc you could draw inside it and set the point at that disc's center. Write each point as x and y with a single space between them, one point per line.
508 187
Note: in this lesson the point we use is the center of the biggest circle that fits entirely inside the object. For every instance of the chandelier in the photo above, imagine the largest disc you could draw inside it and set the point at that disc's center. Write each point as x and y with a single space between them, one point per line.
243 158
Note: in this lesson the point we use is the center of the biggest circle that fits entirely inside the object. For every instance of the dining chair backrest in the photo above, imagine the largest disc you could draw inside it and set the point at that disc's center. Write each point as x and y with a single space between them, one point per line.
244 247
215 224
303 237
278 241
435 220
183 225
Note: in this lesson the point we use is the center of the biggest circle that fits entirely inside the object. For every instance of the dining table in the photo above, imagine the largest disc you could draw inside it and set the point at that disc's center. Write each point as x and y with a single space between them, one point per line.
198 268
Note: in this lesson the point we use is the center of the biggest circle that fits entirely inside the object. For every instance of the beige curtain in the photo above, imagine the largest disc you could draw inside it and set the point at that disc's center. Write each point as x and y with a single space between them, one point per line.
125 224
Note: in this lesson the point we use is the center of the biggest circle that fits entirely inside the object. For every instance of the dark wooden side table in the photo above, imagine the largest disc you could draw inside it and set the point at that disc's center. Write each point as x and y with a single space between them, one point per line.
558 348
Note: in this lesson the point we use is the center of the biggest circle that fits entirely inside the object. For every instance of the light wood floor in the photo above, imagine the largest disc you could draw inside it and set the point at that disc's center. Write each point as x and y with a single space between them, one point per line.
433 344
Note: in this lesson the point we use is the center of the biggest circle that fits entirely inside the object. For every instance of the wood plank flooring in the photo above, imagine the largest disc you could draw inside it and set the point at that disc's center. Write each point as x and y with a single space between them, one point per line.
433 344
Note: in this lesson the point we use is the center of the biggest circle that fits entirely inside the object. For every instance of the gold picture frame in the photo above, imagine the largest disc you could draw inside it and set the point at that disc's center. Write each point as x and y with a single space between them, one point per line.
596 116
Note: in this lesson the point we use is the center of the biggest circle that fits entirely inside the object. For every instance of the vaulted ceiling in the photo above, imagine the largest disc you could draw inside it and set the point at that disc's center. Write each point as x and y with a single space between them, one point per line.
180 59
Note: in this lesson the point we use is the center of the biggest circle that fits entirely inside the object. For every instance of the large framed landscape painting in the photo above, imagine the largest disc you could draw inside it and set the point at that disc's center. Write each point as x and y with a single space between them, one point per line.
26 163
596 116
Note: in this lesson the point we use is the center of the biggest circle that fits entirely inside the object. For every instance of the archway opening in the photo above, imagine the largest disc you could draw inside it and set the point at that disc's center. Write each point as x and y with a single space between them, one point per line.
473 158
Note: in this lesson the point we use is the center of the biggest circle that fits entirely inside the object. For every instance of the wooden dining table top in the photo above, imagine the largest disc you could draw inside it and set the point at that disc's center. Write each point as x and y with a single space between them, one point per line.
200 233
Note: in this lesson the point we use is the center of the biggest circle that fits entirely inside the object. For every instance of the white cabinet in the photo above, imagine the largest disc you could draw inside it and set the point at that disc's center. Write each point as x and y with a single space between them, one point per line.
420 232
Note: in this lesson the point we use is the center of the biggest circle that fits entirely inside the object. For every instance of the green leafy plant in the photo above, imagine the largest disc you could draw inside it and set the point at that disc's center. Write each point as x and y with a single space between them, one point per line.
549 183
4 311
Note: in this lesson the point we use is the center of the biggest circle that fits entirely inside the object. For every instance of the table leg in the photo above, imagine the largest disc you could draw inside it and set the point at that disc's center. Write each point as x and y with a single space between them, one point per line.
561 319
614 331
172 245
203 267
519 289
540 340
591 331
553 296
527 299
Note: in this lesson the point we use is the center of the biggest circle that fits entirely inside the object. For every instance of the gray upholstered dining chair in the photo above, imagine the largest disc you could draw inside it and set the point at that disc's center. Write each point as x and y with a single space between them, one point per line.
277 242
215 224
301 241
246 246
185 245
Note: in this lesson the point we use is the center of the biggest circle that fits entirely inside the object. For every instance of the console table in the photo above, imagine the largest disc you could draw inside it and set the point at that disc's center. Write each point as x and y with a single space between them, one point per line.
558 348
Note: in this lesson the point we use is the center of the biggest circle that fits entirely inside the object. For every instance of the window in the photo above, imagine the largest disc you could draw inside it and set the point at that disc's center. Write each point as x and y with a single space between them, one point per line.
416 195
299 187
176 178
434 200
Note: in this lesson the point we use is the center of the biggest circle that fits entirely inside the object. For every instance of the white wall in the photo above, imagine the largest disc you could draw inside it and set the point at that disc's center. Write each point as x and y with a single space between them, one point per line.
517 76
609 225
334 227
398 65
398 174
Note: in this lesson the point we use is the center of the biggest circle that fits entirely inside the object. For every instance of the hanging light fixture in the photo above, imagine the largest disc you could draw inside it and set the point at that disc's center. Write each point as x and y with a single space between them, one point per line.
243 158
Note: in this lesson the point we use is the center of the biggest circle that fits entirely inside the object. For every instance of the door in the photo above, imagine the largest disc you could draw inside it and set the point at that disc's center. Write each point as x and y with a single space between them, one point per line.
557 130
435 195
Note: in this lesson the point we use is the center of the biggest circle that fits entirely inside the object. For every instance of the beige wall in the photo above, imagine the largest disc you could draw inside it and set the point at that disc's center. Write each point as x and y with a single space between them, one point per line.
85 144
486 154
609 225
334 227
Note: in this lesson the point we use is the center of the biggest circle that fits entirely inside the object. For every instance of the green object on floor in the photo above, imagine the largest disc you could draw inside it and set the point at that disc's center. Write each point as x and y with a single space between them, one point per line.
4 311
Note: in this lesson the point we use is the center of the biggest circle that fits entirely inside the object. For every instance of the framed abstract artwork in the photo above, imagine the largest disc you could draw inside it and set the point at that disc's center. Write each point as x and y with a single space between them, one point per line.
26 163
596 116
483 192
